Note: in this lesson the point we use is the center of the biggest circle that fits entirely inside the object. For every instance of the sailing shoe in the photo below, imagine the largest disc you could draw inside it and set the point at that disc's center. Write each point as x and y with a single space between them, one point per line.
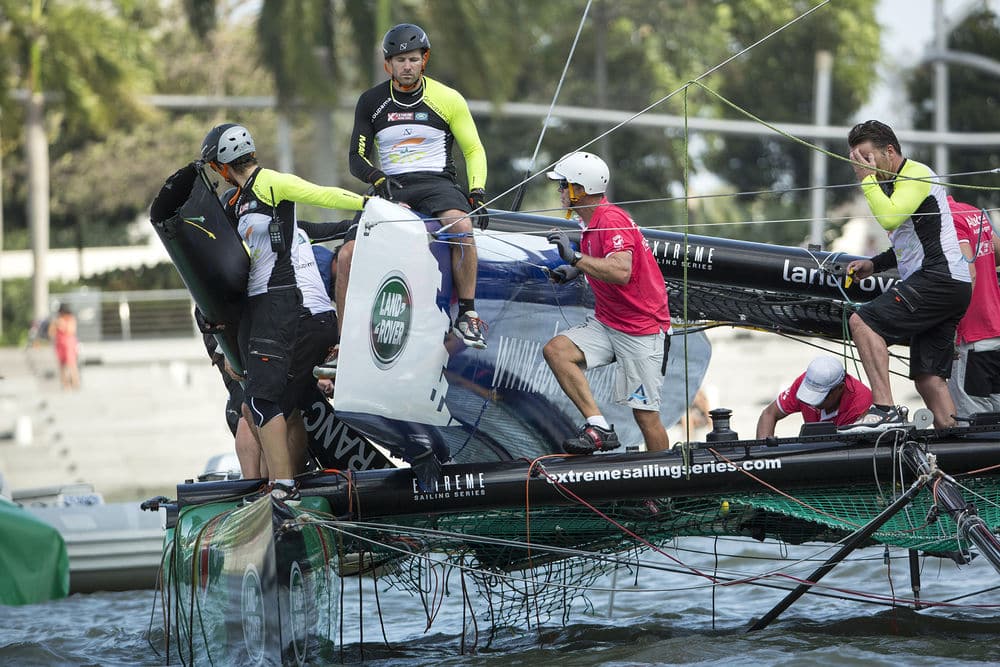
877 418
590 439
471 329
284 493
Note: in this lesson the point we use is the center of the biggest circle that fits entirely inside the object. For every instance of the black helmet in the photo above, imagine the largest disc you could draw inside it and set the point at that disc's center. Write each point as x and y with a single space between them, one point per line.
404 37
224 143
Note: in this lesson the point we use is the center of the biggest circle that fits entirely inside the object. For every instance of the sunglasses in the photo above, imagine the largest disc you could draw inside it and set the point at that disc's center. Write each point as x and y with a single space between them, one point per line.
563 185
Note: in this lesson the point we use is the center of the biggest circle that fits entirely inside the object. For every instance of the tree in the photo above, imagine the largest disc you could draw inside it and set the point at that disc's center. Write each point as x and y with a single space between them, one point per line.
87 58
653 49
972 106
775 82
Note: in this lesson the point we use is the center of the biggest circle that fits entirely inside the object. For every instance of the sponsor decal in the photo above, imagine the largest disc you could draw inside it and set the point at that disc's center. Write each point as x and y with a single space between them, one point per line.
248 206
198 222
520 366
654 470
382 106
453 486
399 115
640 394
349 449
672 254
817 276
298 612
617 242
252 613
420 115
391 313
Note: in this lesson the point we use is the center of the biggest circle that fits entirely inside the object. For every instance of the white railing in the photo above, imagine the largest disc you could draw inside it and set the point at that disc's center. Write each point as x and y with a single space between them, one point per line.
131 315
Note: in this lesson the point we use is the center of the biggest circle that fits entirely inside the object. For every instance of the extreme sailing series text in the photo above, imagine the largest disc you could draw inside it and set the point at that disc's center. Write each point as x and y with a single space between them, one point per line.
653 470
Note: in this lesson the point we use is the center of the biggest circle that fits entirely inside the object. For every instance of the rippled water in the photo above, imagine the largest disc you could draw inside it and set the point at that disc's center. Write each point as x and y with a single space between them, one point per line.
667 619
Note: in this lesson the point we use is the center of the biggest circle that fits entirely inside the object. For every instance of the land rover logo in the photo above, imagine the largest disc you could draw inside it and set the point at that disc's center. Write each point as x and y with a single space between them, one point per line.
390 321
252 612
298 611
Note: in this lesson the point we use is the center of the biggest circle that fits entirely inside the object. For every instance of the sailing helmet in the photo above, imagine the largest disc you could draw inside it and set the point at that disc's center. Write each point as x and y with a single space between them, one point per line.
405 37
584 169
224 143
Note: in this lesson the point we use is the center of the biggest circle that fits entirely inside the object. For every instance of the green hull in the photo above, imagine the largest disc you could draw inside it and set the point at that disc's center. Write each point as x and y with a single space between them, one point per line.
34 566
241 588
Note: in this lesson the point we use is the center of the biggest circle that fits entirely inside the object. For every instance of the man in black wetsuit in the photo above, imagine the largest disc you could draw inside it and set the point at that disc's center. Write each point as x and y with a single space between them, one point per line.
411 121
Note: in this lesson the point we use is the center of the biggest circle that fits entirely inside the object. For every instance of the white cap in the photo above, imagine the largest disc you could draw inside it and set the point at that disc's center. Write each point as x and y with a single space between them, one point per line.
824 373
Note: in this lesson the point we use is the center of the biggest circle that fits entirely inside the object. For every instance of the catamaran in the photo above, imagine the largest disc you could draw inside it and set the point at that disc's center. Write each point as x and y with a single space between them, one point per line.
247 579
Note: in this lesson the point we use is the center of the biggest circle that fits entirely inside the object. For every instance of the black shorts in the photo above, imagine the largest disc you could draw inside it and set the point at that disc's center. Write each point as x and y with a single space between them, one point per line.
982 373
268 333
317 334
925 310
430 194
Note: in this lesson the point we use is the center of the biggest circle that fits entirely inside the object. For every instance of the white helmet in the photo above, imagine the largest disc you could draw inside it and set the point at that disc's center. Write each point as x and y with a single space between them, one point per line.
224 143
585 169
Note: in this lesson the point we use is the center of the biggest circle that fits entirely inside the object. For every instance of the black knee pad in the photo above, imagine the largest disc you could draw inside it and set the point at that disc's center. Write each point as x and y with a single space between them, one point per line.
263 410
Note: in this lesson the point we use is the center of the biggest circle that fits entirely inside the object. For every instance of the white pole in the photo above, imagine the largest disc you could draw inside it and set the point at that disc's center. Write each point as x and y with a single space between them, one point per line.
38 203
940 88
821 116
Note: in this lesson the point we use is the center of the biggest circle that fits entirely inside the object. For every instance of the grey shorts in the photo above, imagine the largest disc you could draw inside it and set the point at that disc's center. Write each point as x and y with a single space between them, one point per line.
640 358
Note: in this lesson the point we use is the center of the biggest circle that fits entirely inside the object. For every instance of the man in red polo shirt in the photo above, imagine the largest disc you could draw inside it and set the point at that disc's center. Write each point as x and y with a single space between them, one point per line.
631 319
824 393
975 378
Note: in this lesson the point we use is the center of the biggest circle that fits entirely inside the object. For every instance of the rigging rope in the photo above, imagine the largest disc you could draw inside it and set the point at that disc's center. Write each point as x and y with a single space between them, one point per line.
545 123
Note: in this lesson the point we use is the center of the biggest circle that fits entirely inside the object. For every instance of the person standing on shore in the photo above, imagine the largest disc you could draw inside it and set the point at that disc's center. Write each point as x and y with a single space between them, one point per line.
631 320
62 333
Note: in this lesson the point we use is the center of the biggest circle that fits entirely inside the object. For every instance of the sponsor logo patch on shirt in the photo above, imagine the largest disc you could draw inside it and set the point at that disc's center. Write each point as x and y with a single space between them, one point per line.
420 115
401 115
248 206
617 242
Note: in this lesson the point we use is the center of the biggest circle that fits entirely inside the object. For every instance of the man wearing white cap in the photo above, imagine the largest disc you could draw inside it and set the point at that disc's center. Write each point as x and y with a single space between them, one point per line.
824 393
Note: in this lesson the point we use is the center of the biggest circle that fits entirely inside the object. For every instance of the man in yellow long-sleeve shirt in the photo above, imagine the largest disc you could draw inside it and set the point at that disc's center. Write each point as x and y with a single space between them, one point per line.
926 305
401 144
288 325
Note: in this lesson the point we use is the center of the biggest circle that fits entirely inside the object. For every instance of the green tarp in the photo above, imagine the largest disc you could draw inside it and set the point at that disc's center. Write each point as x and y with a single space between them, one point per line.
34 566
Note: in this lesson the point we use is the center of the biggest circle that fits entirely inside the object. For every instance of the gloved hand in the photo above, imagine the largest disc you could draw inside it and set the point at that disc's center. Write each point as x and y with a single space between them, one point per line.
564 274
175 192
477 200
561 241
204 325
383 185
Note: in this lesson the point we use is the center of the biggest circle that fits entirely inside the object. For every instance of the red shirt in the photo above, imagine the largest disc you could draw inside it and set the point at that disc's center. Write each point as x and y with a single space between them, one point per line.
639 307
854 402
982 319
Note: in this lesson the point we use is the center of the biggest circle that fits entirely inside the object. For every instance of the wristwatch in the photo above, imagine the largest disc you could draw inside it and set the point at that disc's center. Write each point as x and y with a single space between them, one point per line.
577 256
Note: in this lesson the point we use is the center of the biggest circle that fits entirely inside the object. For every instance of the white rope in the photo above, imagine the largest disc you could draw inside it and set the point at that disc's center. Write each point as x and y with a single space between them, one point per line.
668 96
562 78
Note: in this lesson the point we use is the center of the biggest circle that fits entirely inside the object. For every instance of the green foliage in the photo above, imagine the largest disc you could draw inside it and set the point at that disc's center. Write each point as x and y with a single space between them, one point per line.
775 82
110 154
297 45
16 312
973 106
